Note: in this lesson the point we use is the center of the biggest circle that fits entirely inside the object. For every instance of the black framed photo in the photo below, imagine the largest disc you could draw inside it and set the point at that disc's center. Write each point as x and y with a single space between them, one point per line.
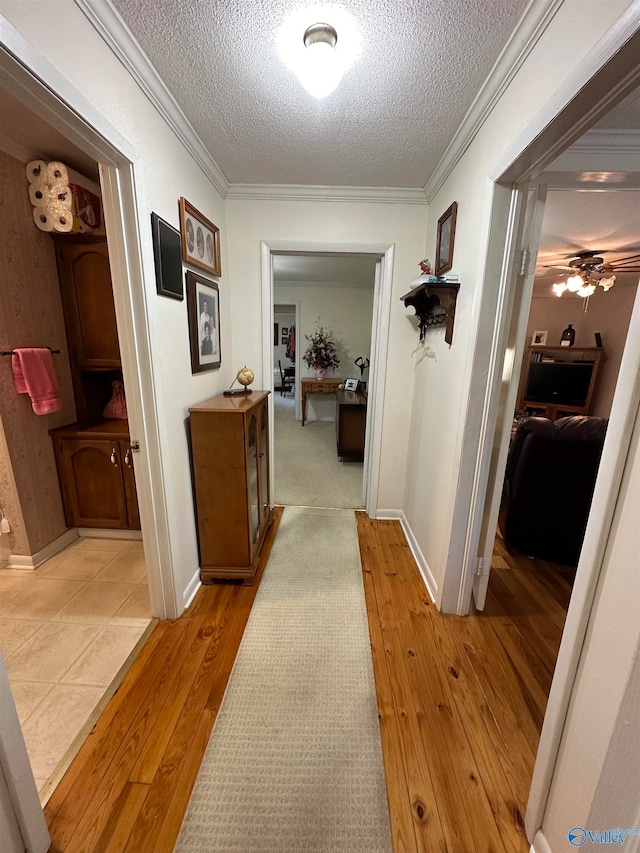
203 305
167 254
276 336
446 237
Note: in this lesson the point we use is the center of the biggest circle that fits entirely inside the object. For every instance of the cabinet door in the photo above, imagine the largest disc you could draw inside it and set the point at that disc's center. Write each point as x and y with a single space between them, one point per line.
129 479
252 479
92 480
85 281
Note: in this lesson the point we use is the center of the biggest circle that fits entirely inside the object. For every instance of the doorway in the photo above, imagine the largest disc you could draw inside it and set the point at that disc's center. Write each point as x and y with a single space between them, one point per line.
74 603
370 260
321 301
528 156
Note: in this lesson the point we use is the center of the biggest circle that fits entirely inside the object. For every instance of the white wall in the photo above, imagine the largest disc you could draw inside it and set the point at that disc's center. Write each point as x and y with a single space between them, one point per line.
164 171
582 790
250 221
346 314
607 313
443 387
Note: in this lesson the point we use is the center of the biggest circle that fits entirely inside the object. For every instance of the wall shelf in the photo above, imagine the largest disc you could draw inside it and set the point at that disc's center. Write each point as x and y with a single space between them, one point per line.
435 306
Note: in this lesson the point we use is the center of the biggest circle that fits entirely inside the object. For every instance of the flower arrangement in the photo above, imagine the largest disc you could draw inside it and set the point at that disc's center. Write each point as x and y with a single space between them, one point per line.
321 354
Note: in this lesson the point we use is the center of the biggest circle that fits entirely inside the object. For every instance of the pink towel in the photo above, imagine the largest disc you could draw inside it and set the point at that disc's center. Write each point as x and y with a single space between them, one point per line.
35 375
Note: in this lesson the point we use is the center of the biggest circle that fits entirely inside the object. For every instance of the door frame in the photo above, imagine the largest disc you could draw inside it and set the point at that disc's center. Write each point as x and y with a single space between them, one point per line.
379 341
15 766
41 87
607 74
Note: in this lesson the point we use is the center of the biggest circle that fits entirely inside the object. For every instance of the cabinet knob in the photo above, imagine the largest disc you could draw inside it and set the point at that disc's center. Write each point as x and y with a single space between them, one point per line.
114 458
128 458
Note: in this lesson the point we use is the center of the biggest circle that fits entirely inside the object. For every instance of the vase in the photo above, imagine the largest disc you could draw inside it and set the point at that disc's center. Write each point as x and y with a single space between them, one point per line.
568 337
321 372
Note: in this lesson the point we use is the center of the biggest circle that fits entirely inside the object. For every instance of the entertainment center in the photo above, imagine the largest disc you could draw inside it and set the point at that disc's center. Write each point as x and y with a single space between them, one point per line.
559 381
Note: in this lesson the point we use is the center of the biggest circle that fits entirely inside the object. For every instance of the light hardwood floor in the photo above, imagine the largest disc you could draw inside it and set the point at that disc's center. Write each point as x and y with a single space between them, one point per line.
461 704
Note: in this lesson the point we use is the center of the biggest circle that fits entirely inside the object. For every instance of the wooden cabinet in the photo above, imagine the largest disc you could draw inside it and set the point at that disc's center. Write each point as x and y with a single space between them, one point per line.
351 418
230 457
90 323
94 455
572 366
95 467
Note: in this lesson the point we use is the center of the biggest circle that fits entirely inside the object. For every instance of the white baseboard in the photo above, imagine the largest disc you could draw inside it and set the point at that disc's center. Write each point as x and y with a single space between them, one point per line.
540 844
423 566
418 556
192 587
108 533
389 514
24 561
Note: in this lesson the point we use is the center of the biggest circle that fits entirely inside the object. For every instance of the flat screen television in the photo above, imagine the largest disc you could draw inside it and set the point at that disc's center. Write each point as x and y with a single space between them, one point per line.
564 383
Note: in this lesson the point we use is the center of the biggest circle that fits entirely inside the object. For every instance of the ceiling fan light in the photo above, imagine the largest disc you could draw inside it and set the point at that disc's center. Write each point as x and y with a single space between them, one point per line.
586 290
575 283
607 283
559 289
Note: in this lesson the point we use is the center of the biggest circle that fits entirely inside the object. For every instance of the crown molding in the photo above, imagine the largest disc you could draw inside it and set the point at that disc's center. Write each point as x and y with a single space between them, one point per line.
534 21
112 29
607 141
302 192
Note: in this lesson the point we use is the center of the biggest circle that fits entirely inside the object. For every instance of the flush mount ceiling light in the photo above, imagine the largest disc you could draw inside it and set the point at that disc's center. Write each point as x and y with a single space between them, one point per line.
313 50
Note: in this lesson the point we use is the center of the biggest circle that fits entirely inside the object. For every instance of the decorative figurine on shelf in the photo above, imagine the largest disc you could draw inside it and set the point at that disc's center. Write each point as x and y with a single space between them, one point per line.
245 377
116 408
425 266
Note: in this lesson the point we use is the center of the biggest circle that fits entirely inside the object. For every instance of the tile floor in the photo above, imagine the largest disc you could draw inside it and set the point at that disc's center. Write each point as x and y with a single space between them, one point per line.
66 629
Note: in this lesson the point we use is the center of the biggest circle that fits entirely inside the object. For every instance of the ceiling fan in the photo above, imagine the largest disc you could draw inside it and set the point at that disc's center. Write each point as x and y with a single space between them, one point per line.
588 269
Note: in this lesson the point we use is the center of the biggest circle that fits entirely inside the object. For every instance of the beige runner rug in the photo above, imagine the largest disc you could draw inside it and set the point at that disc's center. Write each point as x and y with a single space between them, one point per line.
294 763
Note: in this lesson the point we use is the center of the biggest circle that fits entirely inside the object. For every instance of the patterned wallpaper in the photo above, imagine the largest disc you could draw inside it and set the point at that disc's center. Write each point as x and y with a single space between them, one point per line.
30 315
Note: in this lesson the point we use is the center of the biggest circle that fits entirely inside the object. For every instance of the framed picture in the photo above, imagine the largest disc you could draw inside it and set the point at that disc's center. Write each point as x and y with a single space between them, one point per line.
350 384
166 251
203 305
200 239
285 331
284 341
275 335
446 236
539 339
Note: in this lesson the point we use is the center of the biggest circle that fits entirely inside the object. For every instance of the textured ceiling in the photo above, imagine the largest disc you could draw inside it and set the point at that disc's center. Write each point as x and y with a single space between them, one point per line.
389 122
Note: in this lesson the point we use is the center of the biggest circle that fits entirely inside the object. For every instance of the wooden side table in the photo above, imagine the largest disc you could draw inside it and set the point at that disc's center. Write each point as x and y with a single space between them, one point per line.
308 385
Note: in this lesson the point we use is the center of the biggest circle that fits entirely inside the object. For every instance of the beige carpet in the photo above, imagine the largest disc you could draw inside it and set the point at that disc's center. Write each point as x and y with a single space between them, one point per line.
307 469
294 763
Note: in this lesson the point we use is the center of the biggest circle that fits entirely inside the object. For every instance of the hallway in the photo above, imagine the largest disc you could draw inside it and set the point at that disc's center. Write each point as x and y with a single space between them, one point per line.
461 703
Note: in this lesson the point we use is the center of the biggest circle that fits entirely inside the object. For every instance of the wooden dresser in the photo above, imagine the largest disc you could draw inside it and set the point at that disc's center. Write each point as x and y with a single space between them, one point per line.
230 458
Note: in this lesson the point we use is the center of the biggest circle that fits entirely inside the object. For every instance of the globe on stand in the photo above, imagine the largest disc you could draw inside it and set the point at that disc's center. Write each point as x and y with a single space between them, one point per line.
245 377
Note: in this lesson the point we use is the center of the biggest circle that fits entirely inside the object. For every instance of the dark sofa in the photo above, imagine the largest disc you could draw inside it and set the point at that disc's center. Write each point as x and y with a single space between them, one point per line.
549 481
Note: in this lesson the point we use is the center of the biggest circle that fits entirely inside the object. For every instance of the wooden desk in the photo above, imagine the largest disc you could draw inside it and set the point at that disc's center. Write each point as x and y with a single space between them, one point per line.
351 419
308 385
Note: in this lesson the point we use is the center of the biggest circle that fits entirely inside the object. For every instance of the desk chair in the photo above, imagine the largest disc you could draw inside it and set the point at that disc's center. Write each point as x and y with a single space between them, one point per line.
287 378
